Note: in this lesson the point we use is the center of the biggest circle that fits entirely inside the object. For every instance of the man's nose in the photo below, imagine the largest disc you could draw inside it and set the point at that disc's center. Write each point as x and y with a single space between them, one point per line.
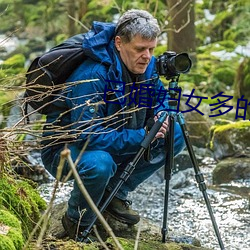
146 54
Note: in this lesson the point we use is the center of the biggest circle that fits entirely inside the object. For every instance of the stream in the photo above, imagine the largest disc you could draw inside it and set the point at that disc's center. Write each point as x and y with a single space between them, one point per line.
187 212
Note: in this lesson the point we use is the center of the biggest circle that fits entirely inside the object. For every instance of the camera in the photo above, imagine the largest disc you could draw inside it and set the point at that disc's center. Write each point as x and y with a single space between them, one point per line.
171 65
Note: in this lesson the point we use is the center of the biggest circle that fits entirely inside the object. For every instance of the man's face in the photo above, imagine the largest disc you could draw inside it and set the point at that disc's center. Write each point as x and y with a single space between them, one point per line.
137 53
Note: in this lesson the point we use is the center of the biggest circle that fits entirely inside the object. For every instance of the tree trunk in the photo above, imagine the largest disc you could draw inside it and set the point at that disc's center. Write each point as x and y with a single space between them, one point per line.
83 8
71 6
181 27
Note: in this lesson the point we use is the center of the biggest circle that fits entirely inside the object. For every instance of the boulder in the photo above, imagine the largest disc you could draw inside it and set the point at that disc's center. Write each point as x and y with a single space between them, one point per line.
231 169
150 235
230 140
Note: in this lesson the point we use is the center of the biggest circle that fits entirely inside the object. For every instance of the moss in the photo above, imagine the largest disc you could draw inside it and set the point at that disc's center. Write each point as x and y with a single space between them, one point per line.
220 131
16 237
16 61
128 244
13 239
6 243
230 126
21 199
9 219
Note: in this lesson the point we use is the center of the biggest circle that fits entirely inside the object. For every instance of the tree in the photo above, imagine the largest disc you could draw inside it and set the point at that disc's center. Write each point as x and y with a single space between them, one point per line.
181 26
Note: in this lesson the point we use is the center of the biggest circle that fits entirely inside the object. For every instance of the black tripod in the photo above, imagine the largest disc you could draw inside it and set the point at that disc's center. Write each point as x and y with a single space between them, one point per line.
173 89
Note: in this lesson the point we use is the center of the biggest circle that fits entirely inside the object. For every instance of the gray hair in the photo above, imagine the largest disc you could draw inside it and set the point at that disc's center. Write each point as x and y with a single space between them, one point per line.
137 22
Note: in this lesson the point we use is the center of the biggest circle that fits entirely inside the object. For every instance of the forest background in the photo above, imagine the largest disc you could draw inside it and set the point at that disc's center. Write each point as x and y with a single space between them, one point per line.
214 33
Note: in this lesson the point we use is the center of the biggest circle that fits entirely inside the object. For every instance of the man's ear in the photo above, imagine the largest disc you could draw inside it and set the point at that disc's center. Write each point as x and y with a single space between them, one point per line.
118 42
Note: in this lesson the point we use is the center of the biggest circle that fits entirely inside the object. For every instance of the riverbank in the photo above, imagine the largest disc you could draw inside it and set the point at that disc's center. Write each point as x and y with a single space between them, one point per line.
188 216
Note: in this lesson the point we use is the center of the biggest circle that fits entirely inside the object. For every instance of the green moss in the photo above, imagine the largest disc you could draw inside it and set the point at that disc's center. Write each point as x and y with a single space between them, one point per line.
128 244
13 239
16 237
21 199
6 243
234 125
9 219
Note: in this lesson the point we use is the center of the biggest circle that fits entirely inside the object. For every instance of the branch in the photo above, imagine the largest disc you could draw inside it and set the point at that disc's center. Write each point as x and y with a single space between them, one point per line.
67 155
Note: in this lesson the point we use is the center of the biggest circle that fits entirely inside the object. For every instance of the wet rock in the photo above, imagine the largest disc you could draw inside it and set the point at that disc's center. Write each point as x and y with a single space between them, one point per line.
231 169
181 179
230 140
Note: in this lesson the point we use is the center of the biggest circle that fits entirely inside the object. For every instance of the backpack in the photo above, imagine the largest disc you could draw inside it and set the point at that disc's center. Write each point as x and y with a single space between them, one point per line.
47 73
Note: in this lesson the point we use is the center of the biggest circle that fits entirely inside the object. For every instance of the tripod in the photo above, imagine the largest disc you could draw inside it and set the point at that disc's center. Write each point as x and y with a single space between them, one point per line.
173 87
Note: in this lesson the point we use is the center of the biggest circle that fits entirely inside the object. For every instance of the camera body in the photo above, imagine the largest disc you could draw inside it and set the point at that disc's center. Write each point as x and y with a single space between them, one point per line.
171 65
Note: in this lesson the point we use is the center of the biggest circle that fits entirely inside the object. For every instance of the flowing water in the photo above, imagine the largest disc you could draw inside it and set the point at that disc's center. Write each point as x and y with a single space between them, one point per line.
187 212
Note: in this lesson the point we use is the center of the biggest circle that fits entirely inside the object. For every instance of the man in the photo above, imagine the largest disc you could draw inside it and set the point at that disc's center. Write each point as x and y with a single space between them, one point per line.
106 114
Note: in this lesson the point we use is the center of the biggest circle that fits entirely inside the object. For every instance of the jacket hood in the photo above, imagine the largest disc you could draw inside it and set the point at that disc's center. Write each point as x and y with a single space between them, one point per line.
98 42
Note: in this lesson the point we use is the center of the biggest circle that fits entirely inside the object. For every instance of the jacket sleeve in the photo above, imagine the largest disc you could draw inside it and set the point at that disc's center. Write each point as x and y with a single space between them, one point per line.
88 115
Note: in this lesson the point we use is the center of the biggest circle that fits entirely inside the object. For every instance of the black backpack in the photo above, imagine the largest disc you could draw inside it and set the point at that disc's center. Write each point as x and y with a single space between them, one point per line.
47 74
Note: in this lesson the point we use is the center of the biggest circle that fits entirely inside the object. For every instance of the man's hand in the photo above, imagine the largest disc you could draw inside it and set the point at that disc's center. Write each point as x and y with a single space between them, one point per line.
164 128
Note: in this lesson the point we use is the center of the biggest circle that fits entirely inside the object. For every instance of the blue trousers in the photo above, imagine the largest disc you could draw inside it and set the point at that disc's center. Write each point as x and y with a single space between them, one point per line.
100 170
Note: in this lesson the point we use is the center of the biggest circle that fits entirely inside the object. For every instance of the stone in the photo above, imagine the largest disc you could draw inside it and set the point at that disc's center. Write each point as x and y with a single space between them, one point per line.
231 169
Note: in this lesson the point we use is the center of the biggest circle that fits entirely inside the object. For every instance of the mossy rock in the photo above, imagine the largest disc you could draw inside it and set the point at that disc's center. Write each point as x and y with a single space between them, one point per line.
230 140
21 199
11 237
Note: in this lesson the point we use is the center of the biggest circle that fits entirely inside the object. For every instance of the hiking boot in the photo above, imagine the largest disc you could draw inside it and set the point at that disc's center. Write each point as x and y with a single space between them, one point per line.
75 231
121 211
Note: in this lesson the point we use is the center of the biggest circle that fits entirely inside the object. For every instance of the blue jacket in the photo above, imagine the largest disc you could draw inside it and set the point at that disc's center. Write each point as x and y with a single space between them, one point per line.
90 117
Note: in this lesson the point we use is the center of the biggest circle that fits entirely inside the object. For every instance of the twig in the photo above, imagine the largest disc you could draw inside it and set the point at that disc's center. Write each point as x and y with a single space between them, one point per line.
99 238
77 21
137 236
66 154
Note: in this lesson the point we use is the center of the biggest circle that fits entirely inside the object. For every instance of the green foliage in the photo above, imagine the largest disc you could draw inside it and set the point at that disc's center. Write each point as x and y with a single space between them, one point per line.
17 61
224 75
242 81
12 67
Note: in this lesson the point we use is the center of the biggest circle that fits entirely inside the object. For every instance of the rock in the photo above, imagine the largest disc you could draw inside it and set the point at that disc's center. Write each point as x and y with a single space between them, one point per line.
198 128
230 140
231 169
181 179
149 238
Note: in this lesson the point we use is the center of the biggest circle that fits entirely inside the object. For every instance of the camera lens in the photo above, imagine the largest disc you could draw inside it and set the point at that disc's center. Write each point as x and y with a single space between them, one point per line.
182 63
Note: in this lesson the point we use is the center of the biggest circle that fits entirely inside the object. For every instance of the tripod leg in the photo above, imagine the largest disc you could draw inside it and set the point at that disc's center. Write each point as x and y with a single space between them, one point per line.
168 173
199 177
129 169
